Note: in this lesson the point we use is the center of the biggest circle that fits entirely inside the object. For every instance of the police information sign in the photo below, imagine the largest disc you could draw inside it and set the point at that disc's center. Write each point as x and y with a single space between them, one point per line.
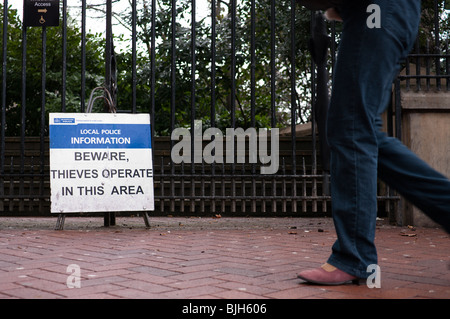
100 162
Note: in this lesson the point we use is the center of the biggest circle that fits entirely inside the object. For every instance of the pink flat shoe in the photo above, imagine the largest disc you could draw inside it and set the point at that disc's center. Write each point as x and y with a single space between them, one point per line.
327 275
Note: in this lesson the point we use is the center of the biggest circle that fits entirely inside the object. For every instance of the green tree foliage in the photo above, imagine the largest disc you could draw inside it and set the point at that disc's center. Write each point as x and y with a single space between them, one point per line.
242 95
223 56
94 72
224 98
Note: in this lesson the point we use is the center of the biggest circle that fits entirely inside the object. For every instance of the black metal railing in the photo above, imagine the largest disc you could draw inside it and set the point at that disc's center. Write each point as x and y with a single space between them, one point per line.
300 185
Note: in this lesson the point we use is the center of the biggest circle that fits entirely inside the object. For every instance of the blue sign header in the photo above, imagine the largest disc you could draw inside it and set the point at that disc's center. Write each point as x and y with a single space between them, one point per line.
64 134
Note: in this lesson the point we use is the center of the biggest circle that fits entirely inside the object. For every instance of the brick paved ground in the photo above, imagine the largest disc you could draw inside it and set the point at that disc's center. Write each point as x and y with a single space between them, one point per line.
199 258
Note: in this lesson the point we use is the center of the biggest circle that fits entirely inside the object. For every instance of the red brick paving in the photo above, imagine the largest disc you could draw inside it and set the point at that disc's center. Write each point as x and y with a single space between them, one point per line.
202 258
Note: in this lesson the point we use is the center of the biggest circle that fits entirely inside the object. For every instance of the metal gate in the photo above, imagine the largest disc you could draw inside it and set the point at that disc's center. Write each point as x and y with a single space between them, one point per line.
300 185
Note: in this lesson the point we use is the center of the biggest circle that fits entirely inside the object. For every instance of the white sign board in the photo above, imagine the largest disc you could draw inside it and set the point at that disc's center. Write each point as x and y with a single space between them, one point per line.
100 162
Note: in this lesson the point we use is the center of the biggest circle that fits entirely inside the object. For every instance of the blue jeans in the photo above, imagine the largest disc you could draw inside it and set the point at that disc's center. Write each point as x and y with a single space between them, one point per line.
368 62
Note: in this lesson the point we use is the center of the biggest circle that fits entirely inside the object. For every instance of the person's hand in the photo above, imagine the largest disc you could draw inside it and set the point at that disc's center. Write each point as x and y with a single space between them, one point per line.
332 15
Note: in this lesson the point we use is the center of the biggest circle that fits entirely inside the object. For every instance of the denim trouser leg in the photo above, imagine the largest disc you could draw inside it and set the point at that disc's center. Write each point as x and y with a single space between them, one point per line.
414 179
368 61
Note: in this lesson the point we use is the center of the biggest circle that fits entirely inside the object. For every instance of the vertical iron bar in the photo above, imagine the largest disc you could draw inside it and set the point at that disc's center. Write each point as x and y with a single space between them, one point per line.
182 188
304 204
272 63
233 63
172 186
243 201
23 115
252 64
11 184
3 112
272 87
293 110
437 44
202 180
133 49
213 97
173 66
408 72
283 189
161 184
64 56
83 55
153 99
192 201
109 219
31 187
193 136
152 95
233 96
43 83
223 188
417 66
193 65
427 65
398 110
253 89
313 123
213 63
153 70
173 87
263 186
447 65
108 49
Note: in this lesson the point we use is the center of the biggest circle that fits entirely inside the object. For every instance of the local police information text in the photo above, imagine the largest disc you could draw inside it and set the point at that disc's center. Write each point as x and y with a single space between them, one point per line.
100 140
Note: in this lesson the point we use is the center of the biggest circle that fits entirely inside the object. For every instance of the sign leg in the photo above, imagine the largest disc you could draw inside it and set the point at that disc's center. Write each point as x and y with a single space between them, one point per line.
109 219
146 220
106 220
60 222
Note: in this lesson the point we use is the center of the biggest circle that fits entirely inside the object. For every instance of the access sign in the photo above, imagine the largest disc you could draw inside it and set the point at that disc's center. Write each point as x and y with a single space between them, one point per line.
41 13
100 162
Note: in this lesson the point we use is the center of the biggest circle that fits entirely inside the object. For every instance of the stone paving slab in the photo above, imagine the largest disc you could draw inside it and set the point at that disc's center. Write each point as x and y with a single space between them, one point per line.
206 258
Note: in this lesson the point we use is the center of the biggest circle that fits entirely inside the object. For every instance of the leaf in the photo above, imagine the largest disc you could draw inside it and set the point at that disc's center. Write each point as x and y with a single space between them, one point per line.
408 234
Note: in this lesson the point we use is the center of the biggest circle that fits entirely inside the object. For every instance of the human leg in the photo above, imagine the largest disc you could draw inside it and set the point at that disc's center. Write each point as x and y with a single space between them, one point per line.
368 61
419 183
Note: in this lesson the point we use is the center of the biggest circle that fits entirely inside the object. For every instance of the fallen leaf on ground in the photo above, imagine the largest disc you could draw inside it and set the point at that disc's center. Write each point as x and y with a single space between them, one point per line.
408 235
